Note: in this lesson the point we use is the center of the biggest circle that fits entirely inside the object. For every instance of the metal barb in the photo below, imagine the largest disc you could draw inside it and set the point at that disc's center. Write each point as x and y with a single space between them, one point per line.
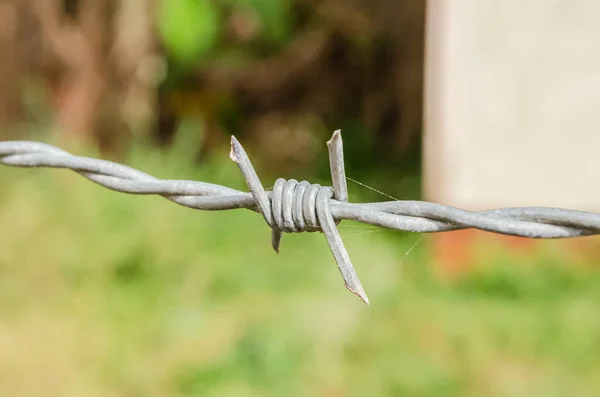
351 280
279 214
239 156
295 206
336 164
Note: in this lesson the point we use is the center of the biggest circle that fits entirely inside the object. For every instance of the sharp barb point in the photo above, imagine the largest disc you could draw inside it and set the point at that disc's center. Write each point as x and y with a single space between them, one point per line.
233 153
337 134
276 240
359 292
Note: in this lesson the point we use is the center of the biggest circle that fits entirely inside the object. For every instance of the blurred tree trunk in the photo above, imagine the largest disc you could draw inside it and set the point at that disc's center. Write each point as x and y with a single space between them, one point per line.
138 66
10 109
78 45
101 54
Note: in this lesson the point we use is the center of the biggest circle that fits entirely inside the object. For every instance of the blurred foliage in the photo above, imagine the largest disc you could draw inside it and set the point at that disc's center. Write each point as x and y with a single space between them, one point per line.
281 75
127 295
189 28
273 16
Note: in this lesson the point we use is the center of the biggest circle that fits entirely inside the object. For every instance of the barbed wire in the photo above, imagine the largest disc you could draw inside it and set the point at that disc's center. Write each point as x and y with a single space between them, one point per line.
293 207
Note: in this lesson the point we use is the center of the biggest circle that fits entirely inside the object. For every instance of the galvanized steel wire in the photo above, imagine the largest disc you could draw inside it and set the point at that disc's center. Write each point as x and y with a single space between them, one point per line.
293 206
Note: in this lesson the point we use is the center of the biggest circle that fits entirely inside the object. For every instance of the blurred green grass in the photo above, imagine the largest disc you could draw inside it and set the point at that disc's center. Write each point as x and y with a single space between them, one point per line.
106 294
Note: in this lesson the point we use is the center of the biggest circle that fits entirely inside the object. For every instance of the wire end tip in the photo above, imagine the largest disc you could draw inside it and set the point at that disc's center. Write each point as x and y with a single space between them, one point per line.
275 240
235 149
359 292
337 135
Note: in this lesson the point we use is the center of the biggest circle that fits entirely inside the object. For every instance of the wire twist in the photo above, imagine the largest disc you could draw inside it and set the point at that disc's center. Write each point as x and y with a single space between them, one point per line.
299 206
294 207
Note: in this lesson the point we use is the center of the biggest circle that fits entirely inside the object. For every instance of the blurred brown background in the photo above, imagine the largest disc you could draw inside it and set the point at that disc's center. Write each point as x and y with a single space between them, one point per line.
281 74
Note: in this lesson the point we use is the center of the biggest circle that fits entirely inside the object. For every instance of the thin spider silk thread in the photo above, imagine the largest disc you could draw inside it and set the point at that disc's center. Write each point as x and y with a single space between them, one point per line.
379 230
370 229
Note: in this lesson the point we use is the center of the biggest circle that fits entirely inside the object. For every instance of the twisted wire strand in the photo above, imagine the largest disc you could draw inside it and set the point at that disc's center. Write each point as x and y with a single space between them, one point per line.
294 207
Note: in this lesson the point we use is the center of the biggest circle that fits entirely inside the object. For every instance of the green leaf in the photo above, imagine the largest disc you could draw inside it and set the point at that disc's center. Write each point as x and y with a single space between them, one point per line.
189 28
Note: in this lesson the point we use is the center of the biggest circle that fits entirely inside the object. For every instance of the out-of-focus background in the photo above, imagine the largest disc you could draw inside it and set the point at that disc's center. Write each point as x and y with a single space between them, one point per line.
467 103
